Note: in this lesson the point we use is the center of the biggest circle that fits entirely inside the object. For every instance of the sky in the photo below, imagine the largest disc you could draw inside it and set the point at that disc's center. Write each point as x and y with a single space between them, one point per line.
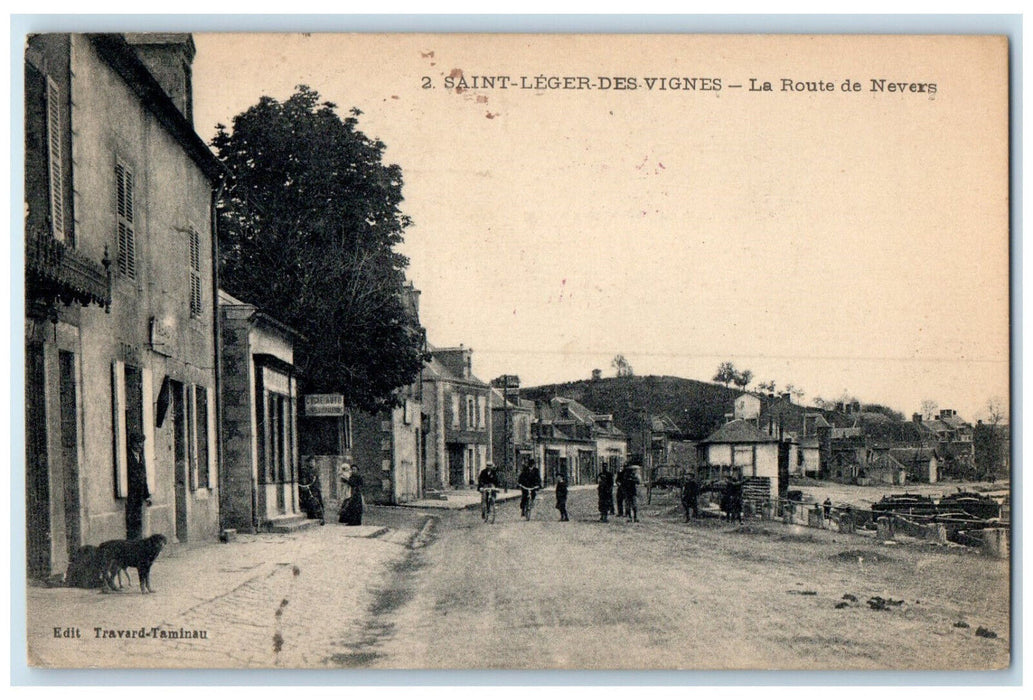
846 242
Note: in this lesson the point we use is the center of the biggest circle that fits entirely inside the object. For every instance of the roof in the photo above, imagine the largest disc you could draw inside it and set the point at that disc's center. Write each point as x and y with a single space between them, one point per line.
226 299
435 370
514 403
738 431
910 455
122 57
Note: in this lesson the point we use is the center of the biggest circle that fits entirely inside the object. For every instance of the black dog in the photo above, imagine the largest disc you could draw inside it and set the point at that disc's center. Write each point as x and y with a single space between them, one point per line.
123 554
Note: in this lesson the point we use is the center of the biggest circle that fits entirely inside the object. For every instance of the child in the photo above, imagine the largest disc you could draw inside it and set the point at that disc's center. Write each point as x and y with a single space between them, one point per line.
561 498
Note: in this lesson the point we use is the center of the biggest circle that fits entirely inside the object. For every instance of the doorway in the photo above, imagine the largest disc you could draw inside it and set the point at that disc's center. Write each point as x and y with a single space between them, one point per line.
179 452
69 410
37 472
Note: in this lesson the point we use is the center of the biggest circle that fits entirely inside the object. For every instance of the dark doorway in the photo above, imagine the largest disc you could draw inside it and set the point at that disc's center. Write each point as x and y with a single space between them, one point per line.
37 473
69 393
455 466
179 453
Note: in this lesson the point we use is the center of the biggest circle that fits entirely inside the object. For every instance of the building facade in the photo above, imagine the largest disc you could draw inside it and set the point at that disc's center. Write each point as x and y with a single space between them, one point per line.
120 294
458 427
259 390
511 437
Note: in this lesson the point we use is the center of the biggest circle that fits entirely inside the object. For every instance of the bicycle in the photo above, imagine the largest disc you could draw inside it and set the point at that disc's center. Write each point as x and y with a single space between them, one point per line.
530 501
488 504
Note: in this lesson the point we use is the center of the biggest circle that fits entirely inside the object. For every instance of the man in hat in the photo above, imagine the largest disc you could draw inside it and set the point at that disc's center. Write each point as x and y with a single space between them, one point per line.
138 494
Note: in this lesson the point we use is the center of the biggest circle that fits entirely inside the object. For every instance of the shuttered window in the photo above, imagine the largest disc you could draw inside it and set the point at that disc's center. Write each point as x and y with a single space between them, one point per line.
195 273
124 205
54 141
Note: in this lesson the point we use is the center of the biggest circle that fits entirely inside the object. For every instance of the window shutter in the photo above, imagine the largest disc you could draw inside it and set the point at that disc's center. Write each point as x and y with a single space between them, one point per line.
125 212
54 143
148 427
118 425
195 273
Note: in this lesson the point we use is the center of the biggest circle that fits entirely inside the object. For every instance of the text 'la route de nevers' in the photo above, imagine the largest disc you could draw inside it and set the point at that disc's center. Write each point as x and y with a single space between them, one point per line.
542 82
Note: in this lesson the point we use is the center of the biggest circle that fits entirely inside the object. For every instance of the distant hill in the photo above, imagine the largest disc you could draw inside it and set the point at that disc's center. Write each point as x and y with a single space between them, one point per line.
698 408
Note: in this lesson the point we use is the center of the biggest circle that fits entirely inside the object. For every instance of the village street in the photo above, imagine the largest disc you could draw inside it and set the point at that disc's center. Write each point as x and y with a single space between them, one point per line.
440 589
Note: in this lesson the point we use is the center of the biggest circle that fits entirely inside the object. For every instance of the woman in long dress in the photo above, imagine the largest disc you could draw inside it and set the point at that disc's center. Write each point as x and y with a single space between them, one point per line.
351 509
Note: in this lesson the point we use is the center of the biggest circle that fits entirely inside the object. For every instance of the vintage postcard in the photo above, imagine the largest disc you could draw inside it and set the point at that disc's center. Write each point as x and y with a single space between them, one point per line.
504 351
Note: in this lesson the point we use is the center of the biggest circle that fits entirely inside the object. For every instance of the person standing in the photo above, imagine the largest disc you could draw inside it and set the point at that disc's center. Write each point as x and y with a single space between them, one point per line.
690 498
622 476
138 495
631 482
561 498
351 509
605 494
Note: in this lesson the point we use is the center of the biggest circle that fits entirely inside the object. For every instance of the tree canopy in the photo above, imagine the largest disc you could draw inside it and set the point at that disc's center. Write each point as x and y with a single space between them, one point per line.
623 367
308 228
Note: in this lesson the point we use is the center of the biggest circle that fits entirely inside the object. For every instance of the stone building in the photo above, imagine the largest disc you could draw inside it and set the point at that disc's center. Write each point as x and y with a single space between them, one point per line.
511 437
120 293
260 396
458 430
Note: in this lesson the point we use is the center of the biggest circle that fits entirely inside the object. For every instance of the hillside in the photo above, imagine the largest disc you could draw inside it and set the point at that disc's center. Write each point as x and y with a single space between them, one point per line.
697 407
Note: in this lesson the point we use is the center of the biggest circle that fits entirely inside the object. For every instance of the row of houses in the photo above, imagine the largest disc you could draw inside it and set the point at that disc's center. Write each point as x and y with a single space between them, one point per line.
127 332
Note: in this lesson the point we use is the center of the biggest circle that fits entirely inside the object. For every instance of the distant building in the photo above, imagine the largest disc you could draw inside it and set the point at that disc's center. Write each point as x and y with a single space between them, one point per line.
512 440
458 430
387 450
574 441
747 407
738 450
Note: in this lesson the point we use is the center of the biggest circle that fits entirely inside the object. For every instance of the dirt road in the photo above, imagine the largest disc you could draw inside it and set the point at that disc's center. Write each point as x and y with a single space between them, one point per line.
664 594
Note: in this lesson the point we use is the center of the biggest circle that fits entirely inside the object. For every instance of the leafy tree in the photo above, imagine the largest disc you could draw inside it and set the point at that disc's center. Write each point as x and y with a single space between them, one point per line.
726 373
743 379
989 441
308 227
623 367
768 387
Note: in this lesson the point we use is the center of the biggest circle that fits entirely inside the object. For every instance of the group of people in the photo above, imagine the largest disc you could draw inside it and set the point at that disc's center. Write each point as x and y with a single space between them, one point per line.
530 482
627 482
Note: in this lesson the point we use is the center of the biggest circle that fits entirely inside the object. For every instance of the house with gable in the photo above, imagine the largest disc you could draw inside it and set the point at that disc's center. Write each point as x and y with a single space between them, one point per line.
740 450
121 298
458 430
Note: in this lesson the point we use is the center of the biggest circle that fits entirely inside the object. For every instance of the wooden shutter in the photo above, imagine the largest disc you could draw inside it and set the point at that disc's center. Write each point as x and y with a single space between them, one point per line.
118 425
54 147
147 390
124 205
195 273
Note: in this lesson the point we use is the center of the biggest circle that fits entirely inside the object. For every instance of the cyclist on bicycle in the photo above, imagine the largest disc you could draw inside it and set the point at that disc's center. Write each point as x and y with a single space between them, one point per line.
486 480
530 480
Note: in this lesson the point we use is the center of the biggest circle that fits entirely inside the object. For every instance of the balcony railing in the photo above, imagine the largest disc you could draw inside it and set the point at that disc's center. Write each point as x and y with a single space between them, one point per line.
56 272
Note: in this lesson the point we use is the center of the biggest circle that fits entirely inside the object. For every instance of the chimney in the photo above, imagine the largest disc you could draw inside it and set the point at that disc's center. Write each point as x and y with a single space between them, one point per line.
597 374
916 417
786 396
169 57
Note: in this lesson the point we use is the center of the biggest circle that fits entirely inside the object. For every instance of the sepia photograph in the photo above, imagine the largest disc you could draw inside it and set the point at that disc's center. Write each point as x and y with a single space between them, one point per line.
459 351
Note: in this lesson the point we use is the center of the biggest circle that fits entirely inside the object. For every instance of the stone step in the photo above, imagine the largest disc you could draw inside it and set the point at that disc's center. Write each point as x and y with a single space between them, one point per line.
289 523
